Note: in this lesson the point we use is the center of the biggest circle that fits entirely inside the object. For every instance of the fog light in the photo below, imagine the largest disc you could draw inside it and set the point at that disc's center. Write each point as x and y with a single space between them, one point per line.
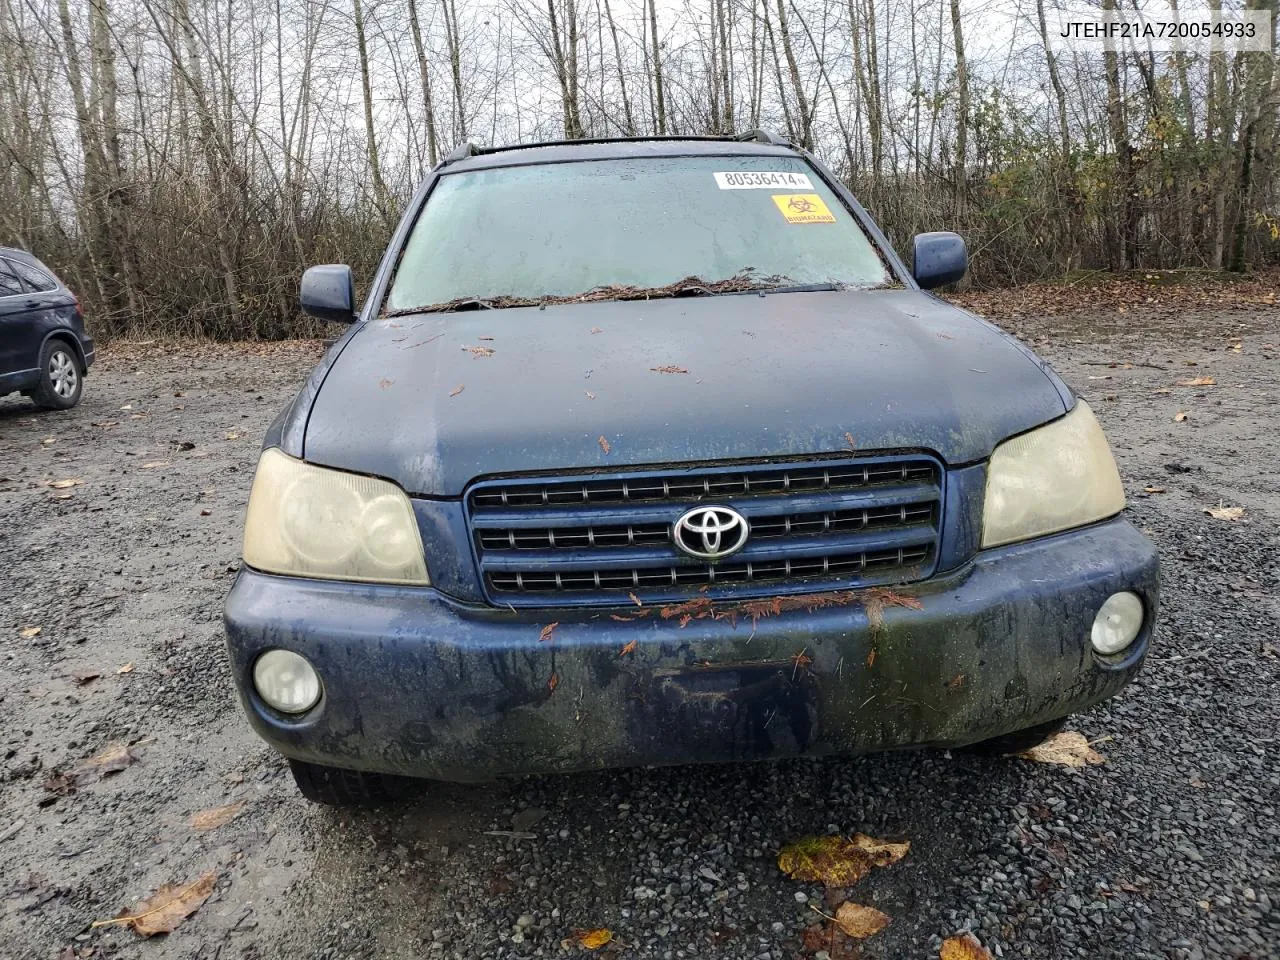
286 681
1117 623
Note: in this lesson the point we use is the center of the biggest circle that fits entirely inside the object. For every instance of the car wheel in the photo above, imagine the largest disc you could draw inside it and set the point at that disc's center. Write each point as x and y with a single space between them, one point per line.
60 380
1019 740
335 787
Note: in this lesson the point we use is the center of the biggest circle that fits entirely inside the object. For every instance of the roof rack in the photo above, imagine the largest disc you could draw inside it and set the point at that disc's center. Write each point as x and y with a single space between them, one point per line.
464 150
764 136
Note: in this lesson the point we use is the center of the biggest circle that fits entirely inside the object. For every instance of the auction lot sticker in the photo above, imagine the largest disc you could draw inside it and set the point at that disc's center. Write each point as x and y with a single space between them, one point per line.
803 208
762 180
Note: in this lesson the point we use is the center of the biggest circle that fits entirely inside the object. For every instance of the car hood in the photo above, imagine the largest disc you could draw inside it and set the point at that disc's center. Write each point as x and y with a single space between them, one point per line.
433 401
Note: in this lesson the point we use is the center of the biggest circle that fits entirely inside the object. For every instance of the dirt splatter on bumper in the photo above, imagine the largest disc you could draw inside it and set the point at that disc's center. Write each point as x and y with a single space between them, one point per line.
419 684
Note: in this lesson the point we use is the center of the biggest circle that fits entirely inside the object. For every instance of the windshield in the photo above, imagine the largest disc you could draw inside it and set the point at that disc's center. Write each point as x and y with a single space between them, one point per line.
560 230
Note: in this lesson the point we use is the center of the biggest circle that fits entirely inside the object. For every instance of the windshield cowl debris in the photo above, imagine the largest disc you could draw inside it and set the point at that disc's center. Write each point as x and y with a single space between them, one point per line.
744 282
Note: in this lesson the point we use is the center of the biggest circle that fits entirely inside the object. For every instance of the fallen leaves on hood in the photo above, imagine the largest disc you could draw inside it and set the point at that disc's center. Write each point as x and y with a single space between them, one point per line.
63 484
1225 513
479 352
669 368
457 390
1067 748
165 909
593 939
216 817
1198 382
965 947
548 631
29 632
837 861
860 922
848 438
595 330
552 683
629 648
604 444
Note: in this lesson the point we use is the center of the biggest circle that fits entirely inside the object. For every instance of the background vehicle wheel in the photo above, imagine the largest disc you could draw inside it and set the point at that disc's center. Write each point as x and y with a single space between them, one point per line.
60 380
1019 740
335 787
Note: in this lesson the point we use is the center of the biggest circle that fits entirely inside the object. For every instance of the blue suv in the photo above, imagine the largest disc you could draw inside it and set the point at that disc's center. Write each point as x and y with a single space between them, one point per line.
655 452
44 350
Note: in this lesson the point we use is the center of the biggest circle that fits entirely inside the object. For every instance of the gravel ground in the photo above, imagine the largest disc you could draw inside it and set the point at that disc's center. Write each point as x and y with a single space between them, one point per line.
1169 850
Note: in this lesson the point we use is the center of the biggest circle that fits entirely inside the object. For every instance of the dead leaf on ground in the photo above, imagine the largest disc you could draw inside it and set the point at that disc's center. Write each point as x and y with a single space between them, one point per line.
1198 382
215 817
1068 748
1153 489
155 464
165 909
964 947
548 630
127 668
113 759
48 441
837 861
593 939
81 677
457 390
29 632
231 435
827 938
860 922
1225 513
604 444
629 648
64 484
1179 416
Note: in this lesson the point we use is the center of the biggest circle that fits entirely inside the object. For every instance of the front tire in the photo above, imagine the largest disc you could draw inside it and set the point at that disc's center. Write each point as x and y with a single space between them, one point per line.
1019 740
335 787
61 381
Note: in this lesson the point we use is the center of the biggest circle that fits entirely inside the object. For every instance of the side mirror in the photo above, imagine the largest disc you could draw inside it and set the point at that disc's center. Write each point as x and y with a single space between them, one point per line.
939 258
329 293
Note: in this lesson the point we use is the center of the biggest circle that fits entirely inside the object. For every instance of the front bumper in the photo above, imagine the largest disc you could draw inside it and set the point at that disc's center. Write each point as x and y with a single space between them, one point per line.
417 683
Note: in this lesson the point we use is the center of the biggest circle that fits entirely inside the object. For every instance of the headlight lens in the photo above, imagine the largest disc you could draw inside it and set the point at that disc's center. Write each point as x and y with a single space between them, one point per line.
1054 478
310 521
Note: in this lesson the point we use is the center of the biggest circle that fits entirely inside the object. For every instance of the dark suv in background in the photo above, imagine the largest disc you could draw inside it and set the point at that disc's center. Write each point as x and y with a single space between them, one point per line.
44 349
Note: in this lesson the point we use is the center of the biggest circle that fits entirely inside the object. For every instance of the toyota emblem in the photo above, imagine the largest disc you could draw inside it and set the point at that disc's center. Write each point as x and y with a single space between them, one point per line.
710 533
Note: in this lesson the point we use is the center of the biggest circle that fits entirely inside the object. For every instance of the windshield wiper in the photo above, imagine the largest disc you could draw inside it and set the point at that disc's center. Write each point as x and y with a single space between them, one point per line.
745 281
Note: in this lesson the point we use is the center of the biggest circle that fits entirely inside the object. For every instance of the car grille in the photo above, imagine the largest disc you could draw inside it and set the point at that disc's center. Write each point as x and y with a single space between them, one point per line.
814 525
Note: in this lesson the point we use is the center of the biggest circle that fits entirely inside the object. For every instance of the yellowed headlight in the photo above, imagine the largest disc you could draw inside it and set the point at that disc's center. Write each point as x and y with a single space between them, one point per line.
1059 476
310 521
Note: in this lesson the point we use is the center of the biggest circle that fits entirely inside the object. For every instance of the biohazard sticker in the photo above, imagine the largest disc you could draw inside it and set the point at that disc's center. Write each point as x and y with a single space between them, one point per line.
762 180
803 208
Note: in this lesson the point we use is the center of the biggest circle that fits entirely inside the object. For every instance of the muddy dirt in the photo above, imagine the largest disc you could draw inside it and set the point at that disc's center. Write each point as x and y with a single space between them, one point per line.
1169 850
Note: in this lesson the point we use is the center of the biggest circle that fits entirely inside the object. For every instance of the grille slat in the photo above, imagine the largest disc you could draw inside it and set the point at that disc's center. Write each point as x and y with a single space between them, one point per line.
547 541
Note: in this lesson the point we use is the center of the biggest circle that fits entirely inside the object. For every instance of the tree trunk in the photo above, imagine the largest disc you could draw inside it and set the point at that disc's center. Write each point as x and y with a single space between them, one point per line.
424 78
